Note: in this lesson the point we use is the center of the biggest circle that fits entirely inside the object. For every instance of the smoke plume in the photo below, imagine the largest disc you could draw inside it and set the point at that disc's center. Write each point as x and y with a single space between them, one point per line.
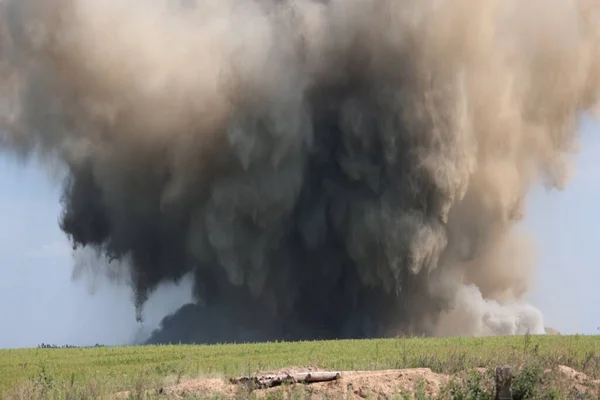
323 169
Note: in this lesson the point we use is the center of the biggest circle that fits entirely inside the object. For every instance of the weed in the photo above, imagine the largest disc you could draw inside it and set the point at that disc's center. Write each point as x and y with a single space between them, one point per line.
527 382
420 393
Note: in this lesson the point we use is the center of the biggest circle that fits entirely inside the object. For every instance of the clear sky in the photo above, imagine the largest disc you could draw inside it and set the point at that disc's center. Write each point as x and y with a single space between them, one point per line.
39 302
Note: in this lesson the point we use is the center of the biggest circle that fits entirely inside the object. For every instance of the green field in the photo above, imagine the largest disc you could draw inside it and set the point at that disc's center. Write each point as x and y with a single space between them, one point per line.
110 369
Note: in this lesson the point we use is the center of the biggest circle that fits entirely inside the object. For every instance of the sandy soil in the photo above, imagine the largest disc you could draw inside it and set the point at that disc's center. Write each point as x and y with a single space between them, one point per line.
354 385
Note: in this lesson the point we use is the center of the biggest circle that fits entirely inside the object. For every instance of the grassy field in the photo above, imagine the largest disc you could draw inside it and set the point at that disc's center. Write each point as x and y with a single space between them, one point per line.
95 372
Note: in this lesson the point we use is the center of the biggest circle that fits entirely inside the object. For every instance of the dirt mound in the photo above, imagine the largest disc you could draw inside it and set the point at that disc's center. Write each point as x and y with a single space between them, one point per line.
351 385
578 380
381 384
210 387
355 385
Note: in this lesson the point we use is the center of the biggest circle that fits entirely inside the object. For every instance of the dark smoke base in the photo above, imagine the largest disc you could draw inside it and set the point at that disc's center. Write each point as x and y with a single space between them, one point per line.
340 183
315 291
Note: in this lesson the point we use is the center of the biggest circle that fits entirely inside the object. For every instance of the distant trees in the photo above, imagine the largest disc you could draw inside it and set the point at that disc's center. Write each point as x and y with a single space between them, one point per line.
66 346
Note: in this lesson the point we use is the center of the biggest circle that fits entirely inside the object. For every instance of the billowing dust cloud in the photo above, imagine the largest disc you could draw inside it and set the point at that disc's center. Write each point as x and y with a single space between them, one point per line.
323 169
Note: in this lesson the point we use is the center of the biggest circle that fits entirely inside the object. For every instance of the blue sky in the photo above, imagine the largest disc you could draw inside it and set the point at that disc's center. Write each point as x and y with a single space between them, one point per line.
40 302
566 226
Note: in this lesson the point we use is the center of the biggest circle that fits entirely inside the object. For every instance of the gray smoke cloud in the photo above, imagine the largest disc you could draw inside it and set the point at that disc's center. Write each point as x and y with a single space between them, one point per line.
339 168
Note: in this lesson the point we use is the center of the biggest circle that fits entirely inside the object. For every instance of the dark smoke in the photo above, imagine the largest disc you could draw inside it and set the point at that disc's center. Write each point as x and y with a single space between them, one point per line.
324 169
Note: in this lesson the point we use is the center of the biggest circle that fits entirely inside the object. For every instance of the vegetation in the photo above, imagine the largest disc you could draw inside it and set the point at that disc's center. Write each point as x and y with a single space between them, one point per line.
77 373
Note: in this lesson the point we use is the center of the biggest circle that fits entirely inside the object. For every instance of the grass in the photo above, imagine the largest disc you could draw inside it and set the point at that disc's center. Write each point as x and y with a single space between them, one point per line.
97 372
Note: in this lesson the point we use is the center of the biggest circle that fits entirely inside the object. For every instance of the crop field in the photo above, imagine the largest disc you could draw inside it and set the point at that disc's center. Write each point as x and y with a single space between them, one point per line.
102 371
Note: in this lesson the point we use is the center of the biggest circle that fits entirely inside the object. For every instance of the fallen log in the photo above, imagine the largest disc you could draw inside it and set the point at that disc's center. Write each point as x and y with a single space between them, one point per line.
270 380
